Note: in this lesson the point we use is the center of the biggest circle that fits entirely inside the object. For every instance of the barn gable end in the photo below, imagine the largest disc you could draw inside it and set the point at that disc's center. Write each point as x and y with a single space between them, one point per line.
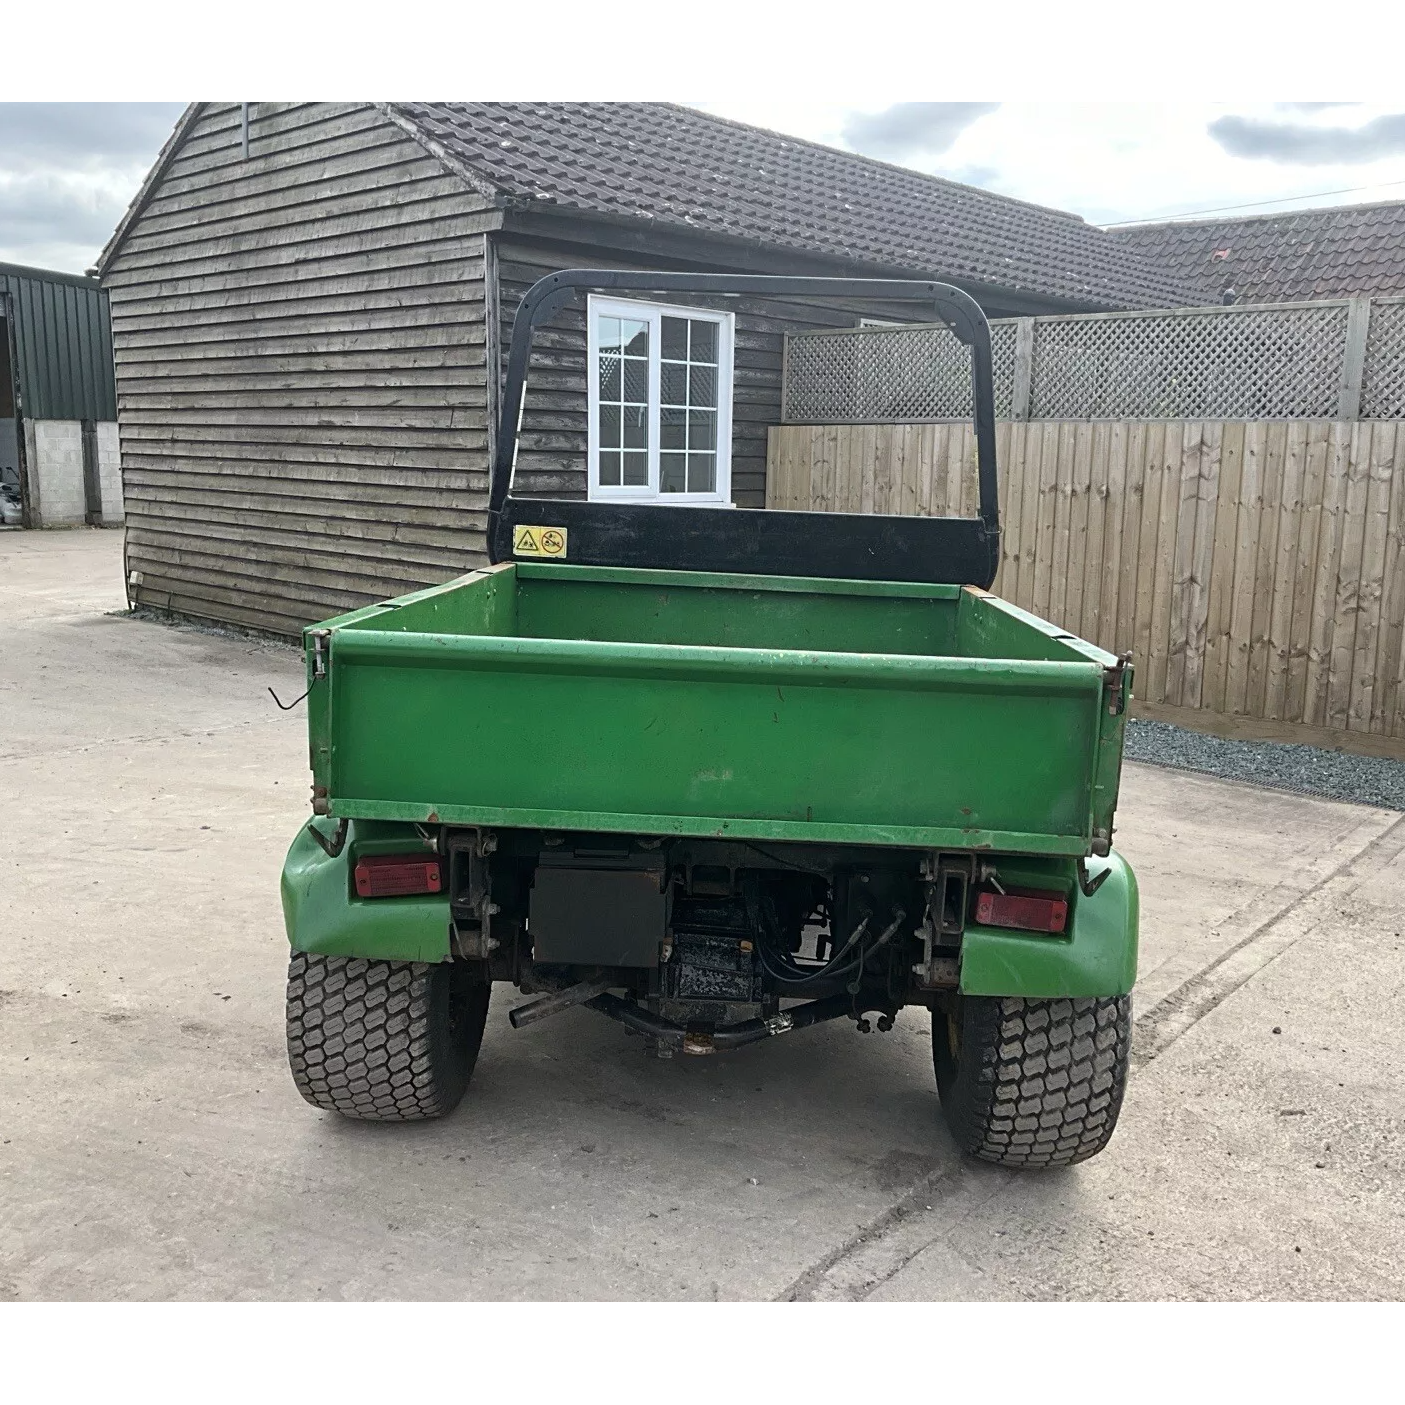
301 366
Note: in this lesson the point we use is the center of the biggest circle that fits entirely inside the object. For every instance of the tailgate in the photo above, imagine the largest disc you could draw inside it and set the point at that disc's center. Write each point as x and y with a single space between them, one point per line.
711 741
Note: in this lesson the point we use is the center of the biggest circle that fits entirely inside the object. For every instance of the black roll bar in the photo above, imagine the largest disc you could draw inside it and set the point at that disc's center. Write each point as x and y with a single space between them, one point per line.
857 546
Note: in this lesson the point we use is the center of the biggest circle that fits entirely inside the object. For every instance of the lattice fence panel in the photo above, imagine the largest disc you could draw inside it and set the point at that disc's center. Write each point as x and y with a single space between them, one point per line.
1269 363
1383 377
886 374
1259 363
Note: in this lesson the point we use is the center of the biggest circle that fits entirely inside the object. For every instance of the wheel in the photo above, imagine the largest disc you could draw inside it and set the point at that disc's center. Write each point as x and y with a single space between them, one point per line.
385 1041
1032 1083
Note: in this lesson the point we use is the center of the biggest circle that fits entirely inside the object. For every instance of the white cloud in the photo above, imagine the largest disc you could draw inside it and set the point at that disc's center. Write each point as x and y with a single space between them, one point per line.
67 173
1311 143
909 130
1121 161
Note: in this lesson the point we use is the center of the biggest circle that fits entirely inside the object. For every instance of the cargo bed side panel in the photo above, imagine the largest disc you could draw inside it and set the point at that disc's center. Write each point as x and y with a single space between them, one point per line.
746 743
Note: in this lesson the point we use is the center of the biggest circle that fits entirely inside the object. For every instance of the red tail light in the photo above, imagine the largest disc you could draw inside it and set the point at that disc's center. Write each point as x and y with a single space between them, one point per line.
397 875
1024 908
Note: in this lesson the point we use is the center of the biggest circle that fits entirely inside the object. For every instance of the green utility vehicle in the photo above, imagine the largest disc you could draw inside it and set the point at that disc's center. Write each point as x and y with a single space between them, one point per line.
718 776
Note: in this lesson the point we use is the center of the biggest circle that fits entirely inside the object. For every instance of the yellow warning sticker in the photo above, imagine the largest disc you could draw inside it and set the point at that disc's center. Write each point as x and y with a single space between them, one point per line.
539 541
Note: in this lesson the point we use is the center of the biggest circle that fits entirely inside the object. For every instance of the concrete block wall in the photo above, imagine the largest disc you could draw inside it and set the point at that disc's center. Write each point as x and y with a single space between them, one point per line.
54 455
110 473
53 451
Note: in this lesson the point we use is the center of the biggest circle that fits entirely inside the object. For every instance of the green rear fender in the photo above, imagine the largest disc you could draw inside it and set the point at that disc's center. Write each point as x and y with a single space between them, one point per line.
1095 956
324 915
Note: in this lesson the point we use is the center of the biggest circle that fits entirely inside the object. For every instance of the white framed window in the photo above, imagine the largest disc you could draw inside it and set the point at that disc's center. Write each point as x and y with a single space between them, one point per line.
660 392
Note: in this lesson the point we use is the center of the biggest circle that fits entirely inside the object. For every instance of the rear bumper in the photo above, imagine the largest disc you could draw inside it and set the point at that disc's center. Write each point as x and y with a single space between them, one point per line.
1095 956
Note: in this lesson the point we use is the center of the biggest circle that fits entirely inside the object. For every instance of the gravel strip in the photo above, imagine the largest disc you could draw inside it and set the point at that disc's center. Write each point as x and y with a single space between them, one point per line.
1305 770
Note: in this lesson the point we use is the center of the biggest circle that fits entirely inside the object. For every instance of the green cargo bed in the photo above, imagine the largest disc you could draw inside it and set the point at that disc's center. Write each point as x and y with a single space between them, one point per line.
565 697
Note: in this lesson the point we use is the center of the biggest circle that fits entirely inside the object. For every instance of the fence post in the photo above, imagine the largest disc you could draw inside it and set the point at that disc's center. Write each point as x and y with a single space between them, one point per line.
785 376
1358 323
1023 379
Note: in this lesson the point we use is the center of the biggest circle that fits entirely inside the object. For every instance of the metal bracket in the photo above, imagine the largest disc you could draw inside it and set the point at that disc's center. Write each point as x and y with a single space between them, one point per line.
1088 886
935 972
472 943
471 889
1115 682
331 847
321 649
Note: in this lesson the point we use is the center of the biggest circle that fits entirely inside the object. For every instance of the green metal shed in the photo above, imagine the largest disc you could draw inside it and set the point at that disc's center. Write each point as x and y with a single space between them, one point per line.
61 344
58 400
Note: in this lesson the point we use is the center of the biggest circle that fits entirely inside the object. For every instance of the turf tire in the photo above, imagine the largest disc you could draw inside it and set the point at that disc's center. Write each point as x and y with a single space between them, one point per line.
1032 1083
383 1041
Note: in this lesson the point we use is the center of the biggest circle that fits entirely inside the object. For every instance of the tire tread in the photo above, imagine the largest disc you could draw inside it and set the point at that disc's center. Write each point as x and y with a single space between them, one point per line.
1039 1082
373 1039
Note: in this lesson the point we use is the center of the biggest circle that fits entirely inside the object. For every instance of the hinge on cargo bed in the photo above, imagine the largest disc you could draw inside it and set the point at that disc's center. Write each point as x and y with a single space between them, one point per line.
949 878
320 649
470 893
1115 683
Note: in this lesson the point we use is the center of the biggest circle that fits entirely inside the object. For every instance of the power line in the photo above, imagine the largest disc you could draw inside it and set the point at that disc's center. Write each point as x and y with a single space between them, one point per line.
1255 204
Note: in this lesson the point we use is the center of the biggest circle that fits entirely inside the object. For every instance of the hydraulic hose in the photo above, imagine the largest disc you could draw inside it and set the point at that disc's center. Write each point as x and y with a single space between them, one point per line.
832 968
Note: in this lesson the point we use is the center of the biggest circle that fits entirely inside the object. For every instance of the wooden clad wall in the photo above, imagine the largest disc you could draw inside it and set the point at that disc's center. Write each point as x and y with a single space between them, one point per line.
301 369
1256 570
551 455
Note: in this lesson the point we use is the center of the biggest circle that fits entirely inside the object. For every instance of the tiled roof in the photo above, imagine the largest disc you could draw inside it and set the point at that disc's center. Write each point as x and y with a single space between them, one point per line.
669 165
1332 253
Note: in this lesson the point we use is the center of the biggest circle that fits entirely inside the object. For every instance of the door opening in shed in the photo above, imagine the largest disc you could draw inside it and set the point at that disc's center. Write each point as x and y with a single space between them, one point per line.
11 491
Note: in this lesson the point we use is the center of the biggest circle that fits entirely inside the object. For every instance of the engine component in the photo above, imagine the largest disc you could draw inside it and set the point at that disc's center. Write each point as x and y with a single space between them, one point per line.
713 955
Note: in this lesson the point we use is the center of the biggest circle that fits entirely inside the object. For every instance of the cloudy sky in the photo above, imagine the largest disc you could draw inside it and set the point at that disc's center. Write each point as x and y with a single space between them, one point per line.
67 170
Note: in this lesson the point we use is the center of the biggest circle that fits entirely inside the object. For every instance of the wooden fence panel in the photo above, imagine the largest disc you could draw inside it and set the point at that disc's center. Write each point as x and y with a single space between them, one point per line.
1255 569
1390 662
1348 596
1219 638
1309 536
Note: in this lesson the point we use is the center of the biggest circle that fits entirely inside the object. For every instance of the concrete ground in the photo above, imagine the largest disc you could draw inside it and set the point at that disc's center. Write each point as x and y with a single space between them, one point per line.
152 1144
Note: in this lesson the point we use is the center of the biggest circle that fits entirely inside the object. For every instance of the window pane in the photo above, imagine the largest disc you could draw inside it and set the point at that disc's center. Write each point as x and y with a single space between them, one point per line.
674 338
702 429
673 429
636 427
673 384
702 473
702 385
685 354
636 382
704 346
671 474
609 376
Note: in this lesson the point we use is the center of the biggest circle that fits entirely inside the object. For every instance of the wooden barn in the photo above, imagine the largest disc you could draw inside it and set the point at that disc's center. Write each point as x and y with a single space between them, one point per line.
311 304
